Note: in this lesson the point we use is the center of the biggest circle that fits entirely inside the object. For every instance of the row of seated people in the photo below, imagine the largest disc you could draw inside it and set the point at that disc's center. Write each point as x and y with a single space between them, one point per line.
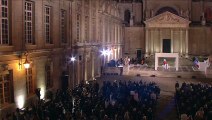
112 101
194 101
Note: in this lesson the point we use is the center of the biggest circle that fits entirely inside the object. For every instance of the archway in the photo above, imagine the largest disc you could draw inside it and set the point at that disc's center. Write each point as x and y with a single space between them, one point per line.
164 9
127 15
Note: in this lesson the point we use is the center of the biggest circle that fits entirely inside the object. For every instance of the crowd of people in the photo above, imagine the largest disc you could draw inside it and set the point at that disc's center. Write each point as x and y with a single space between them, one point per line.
194 101
112 101
126 61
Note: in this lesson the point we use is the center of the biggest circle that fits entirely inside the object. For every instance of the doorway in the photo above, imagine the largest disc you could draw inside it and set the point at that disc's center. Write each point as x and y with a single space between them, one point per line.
166 45
139 54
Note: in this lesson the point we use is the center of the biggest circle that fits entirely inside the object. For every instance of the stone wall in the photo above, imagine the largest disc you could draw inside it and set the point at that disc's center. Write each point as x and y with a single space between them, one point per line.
135 10
133 39
38 53
200 40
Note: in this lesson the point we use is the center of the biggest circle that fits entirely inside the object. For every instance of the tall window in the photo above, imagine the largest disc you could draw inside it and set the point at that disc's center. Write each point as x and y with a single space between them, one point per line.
86 28
48 76
63 26
86 11
6 88
29 81
4 22
78 27
47 24
28 31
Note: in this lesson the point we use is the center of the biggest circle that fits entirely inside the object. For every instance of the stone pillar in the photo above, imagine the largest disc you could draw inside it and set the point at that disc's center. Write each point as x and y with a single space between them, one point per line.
177 62
121 39
103 30
98 64
115 51
108 31
93 64
78 69
118 42
181 41
186 42
172 41
156 62
118 52
85 67
147 42
115 34
152 41
161 40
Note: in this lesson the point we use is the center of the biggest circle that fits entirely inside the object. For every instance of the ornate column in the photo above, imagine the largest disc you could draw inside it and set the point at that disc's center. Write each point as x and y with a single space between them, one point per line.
108 31
85 66
121 39
172 41
78 69
186 49
118 42
161 41
152 41
146 42
103 29
93 63
115 51
181 41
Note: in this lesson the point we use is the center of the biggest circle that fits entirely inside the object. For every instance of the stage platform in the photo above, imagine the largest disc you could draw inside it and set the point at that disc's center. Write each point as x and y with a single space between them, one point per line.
183 72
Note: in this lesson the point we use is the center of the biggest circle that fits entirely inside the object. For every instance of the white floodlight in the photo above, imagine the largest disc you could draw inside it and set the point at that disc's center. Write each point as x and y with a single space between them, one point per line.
73 59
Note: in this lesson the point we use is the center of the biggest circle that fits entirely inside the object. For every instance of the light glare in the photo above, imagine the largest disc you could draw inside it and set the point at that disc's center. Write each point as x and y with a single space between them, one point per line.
73 59
20 100
42 93
26 65
106 52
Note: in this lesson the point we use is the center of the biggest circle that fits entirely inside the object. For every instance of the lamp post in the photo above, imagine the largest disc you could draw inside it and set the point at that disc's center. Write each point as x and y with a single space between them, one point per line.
26 66
72 60
26 63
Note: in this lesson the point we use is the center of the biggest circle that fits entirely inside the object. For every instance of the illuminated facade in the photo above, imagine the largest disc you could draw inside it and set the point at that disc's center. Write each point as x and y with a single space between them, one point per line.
47 33
175 26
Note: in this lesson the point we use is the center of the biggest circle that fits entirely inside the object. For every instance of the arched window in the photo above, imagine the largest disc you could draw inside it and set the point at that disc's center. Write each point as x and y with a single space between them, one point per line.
127 15
164 9
208 14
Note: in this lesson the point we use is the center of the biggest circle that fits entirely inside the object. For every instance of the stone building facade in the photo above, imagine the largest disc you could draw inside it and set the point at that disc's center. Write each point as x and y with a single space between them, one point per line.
48 33
185 25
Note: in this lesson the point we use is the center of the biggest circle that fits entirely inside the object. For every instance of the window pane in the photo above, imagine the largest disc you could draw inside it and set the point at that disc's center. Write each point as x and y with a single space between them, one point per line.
28 22
5 87
4 39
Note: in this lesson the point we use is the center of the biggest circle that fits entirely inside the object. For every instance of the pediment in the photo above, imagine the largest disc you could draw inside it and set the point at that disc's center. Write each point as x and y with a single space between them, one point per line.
167 20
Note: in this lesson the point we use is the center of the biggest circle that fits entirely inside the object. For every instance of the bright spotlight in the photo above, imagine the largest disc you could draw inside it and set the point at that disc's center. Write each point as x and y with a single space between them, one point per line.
42 93
73 59
104 52
20 101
